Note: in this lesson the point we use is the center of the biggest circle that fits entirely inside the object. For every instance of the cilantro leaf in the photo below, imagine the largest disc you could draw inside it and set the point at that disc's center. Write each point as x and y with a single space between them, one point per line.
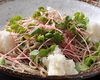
81 67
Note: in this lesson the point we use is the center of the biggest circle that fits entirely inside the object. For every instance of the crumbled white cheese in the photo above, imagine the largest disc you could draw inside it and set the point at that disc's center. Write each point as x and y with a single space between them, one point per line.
57 64
94 30
6 42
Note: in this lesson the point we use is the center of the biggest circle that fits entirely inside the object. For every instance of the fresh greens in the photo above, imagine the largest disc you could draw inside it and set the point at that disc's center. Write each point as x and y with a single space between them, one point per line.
89 60
14 19
36 14
41 38
98 51
2 61
16 28
33 54
36 60
43 19
57 38
80 19
35 31
81 67
44 52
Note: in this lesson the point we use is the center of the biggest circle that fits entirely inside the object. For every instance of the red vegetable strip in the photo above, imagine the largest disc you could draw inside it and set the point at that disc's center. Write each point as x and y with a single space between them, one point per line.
69 43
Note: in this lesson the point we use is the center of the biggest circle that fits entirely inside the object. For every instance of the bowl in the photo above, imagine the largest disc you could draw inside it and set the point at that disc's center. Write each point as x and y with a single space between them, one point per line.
25 8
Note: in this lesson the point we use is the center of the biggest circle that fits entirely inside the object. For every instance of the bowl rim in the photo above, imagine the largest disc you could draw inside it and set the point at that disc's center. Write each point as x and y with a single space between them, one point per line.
25 75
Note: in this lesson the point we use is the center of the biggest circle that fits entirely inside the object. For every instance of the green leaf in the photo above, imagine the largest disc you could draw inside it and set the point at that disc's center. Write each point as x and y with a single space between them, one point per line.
86 20
81 67
97 44
43 19
27 36
68 19
22 46
33 54
2 61
72 28
98 51
40 38
46 14
52 47
17 29
36 14
35 31
36 60
9 30
41 8
30 25
44 52
89 60
57 38
87 38
48 35
14 19
79 15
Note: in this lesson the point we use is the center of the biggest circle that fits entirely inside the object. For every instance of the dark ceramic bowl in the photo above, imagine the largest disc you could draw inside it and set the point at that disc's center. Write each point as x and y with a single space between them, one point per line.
25 8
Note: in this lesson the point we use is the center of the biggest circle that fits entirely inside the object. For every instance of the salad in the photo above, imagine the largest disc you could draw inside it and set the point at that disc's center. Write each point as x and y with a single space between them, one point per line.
49 44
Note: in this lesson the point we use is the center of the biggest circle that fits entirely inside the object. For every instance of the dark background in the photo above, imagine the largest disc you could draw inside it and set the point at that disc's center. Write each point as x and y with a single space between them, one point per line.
6 77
